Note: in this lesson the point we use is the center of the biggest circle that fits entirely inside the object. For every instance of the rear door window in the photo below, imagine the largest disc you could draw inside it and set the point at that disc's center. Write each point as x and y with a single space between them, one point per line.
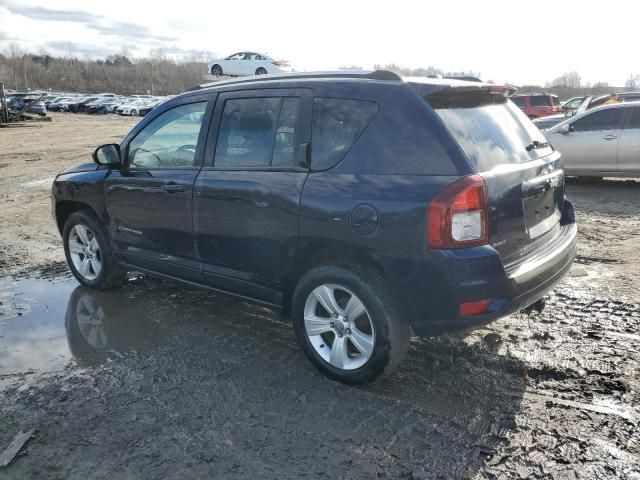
337 124
634 121
491 130
609 119
257 132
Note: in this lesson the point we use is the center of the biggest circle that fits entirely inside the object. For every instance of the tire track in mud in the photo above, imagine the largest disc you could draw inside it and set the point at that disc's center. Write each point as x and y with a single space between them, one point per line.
581 363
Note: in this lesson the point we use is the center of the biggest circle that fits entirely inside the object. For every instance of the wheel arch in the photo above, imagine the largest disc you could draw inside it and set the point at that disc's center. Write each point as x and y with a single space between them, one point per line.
313 253
66 208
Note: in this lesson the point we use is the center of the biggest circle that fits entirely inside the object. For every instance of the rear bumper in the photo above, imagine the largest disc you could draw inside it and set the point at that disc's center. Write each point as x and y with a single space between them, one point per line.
467 275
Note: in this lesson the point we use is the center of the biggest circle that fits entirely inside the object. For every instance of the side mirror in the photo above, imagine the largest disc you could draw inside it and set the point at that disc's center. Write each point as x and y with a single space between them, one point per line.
108 155
564 129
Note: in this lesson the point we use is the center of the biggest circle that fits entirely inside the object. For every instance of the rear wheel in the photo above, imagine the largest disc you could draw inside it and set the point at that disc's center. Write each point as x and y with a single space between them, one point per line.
88 252
261 71
216 70
347 323
134 113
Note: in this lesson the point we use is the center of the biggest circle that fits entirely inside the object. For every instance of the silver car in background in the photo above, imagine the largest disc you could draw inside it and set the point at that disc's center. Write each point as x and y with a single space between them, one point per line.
602 142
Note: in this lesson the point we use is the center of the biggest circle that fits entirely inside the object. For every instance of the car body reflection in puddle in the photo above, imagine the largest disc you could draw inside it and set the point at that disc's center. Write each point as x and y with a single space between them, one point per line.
46 322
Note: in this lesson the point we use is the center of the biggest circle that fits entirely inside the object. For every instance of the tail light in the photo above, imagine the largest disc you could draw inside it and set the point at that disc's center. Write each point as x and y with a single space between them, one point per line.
280 63
469 309
458 216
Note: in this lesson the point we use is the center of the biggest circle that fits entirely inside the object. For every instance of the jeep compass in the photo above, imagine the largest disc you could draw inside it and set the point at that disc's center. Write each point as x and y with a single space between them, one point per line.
362 205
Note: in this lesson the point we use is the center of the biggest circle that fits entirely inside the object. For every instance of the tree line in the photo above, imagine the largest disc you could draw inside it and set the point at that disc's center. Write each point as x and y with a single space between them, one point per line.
567 85
157 74
160 74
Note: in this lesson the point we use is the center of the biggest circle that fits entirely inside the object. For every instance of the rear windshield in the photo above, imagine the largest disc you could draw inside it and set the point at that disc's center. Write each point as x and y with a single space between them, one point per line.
491 130
540 101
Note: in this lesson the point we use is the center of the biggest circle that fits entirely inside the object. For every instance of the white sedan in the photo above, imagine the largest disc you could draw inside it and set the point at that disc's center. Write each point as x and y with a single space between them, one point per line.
247 63
132 108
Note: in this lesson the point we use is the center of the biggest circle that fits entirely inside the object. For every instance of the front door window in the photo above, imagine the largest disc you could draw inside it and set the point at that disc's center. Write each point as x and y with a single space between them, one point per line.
170 140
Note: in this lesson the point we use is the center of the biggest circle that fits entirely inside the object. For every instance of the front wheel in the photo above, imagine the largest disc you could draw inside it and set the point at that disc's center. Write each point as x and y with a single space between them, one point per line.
89 253
134 113
216 71
347 323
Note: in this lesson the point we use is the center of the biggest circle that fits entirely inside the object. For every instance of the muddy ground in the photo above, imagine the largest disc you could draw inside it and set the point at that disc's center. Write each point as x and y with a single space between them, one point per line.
162 381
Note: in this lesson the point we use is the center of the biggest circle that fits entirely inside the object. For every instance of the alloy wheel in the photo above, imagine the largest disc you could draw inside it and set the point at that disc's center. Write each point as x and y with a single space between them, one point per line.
85 252
339 327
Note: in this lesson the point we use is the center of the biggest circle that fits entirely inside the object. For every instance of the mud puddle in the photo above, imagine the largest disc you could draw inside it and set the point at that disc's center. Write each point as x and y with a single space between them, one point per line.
49 322
187 382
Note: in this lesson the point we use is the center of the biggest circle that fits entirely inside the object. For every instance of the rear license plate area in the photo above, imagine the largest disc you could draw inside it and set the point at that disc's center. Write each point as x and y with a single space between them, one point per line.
541 212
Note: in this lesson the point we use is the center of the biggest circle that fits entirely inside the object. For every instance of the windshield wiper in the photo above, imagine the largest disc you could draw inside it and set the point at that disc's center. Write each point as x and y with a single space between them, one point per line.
536 144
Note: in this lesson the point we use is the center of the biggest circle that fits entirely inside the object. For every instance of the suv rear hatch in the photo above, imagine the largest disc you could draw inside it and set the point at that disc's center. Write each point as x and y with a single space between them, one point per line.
523 178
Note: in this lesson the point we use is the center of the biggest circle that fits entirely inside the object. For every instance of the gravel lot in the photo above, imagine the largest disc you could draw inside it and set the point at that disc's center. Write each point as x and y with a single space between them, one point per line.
163 381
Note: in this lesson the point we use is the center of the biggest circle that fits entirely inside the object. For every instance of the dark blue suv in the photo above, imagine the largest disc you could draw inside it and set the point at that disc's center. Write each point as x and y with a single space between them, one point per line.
362 205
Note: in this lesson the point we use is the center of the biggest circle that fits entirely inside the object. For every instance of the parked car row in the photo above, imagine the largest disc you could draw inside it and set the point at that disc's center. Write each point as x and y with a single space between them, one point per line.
102 103
547 111
28 103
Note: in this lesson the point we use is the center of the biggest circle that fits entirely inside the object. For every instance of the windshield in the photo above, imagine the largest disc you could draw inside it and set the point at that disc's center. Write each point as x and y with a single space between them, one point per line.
491 131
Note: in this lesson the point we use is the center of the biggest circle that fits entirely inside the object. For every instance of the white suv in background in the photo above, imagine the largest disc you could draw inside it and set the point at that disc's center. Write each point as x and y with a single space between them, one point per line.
247 63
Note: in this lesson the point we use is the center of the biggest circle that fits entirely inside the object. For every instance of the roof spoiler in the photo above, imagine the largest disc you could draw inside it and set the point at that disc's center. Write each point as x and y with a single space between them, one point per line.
368 74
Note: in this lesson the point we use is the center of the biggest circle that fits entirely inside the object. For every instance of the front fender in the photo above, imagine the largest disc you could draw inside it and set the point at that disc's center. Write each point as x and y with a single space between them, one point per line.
76 190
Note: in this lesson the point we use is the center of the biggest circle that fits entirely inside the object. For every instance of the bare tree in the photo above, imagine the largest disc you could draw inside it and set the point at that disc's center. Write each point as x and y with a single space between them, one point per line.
571 80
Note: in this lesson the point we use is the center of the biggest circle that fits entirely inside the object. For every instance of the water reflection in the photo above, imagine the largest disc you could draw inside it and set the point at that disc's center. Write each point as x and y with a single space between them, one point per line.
32 332
101 324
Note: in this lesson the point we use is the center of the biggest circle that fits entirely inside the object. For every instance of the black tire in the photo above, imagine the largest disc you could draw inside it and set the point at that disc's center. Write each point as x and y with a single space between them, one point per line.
134 113
78 340
392 330
261 71
111 274
216 70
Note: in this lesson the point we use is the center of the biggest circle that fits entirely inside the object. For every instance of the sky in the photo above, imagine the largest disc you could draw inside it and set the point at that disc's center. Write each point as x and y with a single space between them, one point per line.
520 42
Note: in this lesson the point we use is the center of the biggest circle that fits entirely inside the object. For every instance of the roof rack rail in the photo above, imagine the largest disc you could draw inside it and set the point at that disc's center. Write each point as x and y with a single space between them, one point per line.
365 74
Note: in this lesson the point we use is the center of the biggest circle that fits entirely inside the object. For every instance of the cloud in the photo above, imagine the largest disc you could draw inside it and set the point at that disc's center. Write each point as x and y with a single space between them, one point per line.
98 23
130 31
5 37
48 14
80 49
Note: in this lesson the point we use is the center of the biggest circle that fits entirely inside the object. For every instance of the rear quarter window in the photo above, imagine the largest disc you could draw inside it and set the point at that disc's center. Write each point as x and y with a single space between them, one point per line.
337 124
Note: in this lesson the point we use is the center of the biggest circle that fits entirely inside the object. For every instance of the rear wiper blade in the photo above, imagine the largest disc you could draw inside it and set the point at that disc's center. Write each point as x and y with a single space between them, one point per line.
536 144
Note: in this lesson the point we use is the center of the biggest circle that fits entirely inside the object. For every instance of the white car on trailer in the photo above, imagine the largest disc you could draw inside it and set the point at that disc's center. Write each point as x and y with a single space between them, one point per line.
247 63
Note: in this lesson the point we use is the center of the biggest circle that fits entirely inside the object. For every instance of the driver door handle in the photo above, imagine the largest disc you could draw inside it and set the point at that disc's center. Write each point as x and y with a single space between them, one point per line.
172 188
609 137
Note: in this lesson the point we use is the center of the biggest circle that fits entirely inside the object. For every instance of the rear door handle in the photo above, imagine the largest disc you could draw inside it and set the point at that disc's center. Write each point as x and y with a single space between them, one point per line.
609 137
172 188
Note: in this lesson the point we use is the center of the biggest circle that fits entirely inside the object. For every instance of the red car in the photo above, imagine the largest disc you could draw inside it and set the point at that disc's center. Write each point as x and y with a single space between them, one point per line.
536 105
